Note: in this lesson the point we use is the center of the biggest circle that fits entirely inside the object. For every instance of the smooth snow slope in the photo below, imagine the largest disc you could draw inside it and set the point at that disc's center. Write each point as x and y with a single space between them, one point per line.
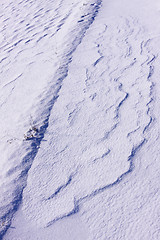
95 175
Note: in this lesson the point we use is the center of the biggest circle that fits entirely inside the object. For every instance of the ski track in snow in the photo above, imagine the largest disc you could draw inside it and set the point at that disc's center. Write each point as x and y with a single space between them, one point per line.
93 123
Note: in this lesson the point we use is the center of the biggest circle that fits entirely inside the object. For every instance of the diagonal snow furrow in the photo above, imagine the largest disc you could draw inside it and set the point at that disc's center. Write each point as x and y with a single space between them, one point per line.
61 188
102 115
79 202
86 132
74 211
21 47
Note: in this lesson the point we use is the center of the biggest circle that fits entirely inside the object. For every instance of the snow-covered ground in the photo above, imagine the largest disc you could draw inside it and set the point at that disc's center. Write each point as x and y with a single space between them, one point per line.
79 107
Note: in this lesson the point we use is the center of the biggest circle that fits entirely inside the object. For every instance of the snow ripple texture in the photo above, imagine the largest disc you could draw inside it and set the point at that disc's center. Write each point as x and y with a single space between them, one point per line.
37 42
86 119
91 110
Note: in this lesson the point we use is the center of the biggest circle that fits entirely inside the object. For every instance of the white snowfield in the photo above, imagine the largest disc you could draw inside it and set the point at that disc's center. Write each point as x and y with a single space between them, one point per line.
79 125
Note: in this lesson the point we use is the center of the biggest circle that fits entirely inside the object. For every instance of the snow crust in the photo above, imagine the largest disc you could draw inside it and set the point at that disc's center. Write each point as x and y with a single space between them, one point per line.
79 120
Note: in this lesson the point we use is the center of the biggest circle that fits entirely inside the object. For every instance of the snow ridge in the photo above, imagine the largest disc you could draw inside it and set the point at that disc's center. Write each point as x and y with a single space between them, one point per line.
113 94
84 132
83 15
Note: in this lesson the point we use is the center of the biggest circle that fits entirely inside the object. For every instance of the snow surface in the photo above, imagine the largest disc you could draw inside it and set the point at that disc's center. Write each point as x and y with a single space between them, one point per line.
79 106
